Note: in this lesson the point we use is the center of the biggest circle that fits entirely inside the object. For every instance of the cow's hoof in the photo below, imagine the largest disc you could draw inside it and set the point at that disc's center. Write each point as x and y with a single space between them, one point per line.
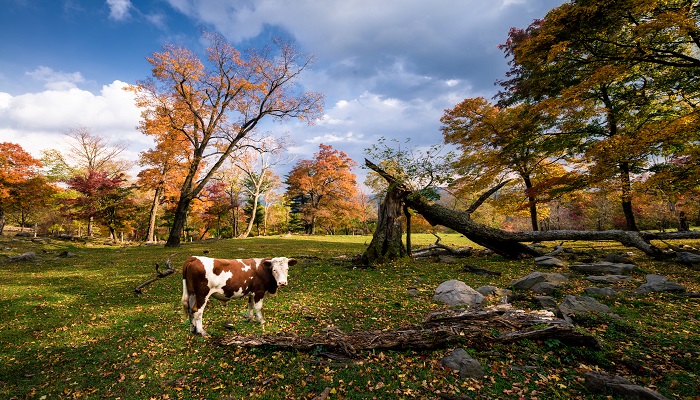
228 324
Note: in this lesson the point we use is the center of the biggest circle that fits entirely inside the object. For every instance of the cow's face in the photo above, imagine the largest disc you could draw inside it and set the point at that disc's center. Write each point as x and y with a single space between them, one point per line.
280 268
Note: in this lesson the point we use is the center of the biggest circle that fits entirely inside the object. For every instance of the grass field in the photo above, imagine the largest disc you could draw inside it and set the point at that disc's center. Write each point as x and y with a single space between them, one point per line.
73 328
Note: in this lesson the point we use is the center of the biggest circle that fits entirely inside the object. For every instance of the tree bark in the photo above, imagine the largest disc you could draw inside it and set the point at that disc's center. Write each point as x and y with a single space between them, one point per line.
2 221
532 202
631 224
178 221
152 216
387 242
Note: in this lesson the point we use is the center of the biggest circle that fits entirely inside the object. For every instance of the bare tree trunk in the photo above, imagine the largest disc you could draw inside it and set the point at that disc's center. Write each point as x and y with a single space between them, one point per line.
152 217
627 197
407 213
387 243
251 221
179 219
2 221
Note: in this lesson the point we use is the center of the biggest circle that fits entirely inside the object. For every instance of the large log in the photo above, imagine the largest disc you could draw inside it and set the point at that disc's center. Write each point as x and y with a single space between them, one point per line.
440 330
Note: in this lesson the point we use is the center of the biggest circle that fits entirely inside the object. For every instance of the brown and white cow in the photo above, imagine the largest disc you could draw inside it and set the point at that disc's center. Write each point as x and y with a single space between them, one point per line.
204 277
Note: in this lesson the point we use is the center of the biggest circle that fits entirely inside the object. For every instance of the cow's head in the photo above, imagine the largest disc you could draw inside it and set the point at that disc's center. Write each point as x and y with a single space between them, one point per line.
280 268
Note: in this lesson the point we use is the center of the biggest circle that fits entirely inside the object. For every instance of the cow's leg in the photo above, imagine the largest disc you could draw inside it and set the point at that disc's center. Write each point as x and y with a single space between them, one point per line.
197 305
257 306
251 303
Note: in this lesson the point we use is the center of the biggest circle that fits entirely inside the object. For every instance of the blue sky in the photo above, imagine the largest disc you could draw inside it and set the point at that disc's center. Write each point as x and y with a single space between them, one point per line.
387 68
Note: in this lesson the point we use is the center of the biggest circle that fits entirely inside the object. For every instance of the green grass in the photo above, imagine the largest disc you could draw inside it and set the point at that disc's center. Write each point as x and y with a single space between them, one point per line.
72 328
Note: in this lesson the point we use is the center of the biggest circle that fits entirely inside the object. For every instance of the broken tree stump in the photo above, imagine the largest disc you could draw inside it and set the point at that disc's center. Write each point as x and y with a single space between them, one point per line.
438 331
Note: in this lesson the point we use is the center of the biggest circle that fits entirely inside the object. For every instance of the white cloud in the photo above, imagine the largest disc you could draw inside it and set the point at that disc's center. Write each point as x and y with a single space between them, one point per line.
56 80
37 121
119 9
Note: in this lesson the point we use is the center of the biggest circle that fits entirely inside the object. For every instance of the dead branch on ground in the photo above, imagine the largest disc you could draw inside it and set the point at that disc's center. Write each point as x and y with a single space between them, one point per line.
159 275
440 330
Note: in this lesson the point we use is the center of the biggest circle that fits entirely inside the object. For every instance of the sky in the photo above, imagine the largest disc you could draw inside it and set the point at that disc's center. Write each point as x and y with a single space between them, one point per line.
387 68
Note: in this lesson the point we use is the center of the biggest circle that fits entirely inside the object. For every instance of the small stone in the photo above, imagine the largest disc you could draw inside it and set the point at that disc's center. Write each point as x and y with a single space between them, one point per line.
549 261
545 302
457 293
460 360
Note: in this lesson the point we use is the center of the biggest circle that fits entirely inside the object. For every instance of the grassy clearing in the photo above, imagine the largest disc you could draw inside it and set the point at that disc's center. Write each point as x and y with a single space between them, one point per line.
72 328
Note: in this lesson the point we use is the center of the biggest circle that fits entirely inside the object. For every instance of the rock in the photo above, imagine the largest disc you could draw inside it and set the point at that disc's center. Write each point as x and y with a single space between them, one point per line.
690 259
448 259
573 306
28 256
457 293
618 259
604 268
460 360
609 279
597 382
412 292
602 292
540 282
66 254
658 283
545 302
549 261
487 290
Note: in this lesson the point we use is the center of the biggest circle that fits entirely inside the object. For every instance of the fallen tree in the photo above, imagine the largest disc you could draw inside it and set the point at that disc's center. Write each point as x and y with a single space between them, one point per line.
442 329
511 244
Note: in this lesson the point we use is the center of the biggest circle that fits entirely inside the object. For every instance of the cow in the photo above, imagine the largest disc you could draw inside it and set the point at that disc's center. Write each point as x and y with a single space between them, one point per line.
205 277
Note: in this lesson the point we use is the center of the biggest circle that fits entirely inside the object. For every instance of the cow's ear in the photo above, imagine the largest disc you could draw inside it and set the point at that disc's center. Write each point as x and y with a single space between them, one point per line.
292 262
267 263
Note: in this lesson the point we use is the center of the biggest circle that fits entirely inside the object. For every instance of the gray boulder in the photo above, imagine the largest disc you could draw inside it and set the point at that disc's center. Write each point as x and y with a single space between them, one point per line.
460 360
457 293
658 283
549 261
540 282
598 382
607 279
573 306
28 256
617 259
690 259
604 268
545 302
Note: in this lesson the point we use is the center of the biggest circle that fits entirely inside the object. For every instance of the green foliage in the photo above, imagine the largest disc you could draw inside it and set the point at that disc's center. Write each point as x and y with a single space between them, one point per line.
72 328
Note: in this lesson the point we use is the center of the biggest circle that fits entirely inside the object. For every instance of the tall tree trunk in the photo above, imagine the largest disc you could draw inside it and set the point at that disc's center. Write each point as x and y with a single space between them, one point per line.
251 221
407 213
532 202
387 242
153 214
2 221
179 219
89 227
626 186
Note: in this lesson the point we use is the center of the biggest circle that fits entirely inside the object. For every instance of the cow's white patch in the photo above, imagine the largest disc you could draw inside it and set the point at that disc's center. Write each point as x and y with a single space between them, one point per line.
215 282
246 267
280 269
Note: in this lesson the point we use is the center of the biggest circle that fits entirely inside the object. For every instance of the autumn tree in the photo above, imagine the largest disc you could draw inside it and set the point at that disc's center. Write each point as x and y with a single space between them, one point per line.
620 109
101 197
218 100
30 197
164 165
322 188
496 141
17 167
